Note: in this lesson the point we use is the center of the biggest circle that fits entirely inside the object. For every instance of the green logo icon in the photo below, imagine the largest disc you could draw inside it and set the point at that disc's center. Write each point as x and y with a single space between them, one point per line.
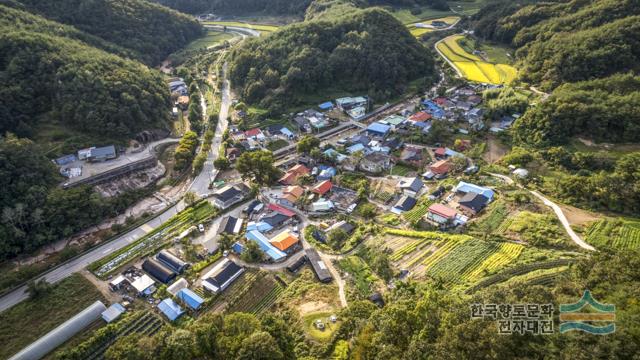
572 319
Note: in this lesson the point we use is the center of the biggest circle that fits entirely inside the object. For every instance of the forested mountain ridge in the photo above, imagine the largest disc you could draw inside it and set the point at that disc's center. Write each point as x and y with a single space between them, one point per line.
149 31
57 78
365 50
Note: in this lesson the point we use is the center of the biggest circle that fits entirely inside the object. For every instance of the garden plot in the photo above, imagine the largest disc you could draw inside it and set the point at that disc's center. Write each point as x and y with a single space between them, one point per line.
360 277
617 233
255 296
383 189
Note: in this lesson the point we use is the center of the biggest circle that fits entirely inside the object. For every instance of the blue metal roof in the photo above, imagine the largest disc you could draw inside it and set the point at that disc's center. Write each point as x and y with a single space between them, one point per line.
355 148
326 105
237 248
260 226
379 128
467 187
170 309
265 245
190 298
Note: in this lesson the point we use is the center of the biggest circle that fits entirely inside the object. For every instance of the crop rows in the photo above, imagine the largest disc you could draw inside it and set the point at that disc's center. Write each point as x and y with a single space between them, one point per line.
463 257
441 252
518 270
408 248
620 234
146 323
506 253
268 300
418 212
495 218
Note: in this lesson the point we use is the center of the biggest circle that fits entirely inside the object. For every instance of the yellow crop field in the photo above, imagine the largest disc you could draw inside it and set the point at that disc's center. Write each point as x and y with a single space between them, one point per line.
507 253
259 27
471 71
472 66
452 43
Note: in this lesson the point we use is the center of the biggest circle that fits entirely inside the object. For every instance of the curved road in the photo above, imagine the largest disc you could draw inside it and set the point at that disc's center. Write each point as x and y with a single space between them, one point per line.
556 209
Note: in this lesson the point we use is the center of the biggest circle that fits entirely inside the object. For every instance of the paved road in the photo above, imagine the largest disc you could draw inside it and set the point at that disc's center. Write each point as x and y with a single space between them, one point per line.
556 209
199 185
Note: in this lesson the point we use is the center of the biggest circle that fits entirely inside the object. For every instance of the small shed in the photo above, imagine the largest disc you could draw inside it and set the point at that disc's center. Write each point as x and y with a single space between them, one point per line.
190 298
170 309
113 312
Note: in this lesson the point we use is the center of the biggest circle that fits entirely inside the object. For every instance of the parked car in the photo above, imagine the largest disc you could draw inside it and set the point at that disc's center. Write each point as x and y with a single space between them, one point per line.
201 228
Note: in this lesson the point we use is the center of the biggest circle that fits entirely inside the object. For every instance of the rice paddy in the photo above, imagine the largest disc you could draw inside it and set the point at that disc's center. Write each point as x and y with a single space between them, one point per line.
472 66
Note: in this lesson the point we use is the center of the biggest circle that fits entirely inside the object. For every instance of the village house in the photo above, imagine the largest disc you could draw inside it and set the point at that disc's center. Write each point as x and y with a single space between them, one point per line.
375 163
405 203
412 156
410 186
293 174
229 195
472 203
322 187
441 214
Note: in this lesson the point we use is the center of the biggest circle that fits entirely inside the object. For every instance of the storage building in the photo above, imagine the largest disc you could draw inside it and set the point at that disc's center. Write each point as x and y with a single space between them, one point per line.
158 271
221 276
171 261
319 267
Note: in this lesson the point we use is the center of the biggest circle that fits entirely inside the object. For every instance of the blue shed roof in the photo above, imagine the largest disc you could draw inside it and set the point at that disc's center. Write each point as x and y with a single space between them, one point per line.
326 105
467 187
190 298
237 248
379 128
265 245
170 309
355 148
260 226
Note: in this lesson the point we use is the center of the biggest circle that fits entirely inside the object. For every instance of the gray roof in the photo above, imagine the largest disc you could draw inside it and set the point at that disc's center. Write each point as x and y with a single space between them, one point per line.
103 151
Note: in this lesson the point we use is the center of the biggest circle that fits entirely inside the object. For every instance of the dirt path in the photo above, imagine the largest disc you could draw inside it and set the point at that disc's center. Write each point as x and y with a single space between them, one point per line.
556 209
578 216
495 150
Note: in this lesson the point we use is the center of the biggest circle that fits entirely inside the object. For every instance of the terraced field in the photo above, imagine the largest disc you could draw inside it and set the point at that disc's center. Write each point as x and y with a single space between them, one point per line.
473 67
418 211
255 295
617 233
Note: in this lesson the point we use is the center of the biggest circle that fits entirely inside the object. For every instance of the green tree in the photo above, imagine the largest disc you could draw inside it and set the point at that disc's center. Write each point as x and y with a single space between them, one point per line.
252 252
307 144
258 166
259 346
190 198
38 288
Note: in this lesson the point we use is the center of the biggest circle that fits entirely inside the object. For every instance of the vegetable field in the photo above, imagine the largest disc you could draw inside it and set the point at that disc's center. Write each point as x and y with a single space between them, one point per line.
472 66
420 210
256 294
616 233
360 275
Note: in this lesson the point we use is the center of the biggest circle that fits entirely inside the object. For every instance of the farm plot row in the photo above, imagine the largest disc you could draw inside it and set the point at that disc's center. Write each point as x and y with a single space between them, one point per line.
620 234
255 297
360 274
419 211
141 322
518 270
461 258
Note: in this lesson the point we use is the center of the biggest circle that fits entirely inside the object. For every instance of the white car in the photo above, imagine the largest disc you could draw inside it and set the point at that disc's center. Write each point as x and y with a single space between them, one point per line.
201 228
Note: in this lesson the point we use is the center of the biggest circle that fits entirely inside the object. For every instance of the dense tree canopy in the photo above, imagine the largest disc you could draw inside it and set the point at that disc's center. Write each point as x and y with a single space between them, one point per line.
150 31
34 211
603 110
566 41
367 51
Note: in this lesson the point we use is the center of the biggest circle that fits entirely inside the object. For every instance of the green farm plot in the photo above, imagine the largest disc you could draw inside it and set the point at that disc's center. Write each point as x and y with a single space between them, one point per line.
277 144
402 170
495 217
536 229
29 320
466 7
420 210
256 296
616 233
139 322
461 258
360 274
411 15
322 335
211 38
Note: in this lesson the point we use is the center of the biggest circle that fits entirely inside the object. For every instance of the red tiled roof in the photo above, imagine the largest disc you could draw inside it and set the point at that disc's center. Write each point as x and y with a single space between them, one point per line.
299 169
420 116
252 132
440 100
442 210
440 151
280 209
323 187
440 167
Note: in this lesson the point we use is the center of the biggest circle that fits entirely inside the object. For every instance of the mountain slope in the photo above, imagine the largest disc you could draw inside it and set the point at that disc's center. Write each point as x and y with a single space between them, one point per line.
365 51
149 31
